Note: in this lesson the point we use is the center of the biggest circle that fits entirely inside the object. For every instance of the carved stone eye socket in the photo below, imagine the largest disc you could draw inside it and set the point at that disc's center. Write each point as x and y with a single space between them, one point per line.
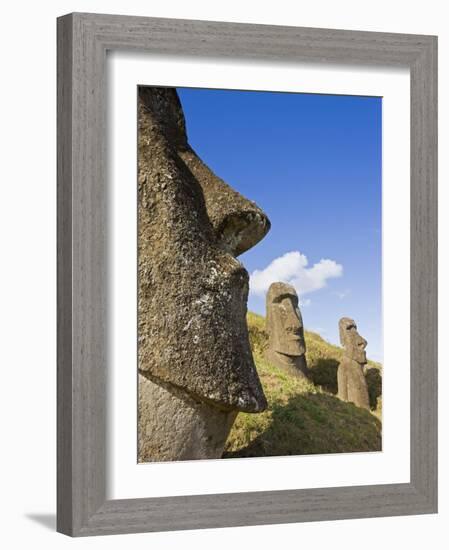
287 300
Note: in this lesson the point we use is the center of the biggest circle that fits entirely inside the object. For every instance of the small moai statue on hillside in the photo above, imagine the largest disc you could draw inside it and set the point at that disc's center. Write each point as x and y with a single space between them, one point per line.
286 343
351 379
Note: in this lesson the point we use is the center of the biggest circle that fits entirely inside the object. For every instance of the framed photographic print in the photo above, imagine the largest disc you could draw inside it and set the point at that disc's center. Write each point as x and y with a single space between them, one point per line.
246 274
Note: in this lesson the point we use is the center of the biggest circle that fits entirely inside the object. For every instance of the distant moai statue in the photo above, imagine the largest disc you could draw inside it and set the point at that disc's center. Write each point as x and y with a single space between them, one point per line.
350 376
286 343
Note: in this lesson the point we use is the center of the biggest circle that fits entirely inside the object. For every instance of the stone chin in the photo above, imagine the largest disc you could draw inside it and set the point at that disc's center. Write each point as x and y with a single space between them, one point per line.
293 351
206 350
293 346
295 364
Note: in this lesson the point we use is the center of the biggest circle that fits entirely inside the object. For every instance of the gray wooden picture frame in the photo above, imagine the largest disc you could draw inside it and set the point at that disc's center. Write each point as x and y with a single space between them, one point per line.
83 40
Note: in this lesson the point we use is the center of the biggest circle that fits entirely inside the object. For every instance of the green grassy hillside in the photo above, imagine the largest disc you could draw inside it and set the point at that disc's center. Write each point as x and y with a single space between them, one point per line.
305 417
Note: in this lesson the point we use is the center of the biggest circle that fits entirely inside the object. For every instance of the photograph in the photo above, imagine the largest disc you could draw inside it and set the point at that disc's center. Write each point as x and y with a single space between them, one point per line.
259 274
247 272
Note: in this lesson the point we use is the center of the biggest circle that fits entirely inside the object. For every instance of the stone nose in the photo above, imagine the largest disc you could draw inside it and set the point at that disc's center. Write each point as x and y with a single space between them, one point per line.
361 342
292 319
292 322
239 229
239 223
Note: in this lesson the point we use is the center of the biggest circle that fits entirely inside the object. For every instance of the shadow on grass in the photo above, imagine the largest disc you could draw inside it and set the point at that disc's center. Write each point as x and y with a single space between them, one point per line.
324 374
314 424
374 382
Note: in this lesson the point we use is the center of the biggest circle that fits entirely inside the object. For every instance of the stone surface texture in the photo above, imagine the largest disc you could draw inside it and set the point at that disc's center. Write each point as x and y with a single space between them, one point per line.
351 379
176 426
286 343
193 349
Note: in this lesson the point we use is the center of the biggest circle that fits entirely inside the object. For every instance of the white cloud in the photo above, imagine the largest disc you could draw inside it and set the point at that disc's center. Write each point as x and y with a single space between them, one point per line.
293 268
342 294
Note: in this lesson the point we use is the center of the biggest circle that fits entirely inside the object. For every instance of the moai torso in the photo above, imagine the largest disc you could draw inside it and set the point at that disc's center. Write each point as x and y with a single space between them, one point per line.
286 343
351 380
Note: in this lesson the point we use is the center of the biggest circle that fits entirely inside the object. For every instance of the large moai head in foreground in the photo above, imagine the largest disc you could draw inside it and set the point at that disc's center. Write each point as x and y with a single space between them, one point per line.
286 343
353 344
195 363
351 379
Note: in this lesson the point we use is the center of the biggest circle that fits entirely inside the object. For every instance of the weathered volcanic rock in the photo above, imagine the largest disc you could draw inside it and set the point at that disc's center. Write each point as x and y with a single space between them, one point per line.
286 343
174 425
192 292
238 223
351 379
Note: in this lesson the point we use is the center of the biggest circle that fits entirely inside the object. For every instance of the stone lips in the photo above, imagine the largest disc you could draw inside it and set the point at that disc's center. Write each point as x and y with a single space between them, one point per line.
192 292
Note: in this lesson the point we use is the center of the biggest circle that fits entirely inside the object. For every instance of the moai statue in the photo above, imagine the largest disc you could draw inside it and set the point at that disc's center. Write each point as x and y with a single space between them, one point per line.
350 376
286 343
196 370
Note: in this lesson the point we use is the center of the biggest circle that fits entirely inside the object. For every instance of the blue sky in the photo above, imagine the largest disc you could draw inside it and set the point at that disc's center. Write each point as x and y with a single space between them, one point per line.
313 164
